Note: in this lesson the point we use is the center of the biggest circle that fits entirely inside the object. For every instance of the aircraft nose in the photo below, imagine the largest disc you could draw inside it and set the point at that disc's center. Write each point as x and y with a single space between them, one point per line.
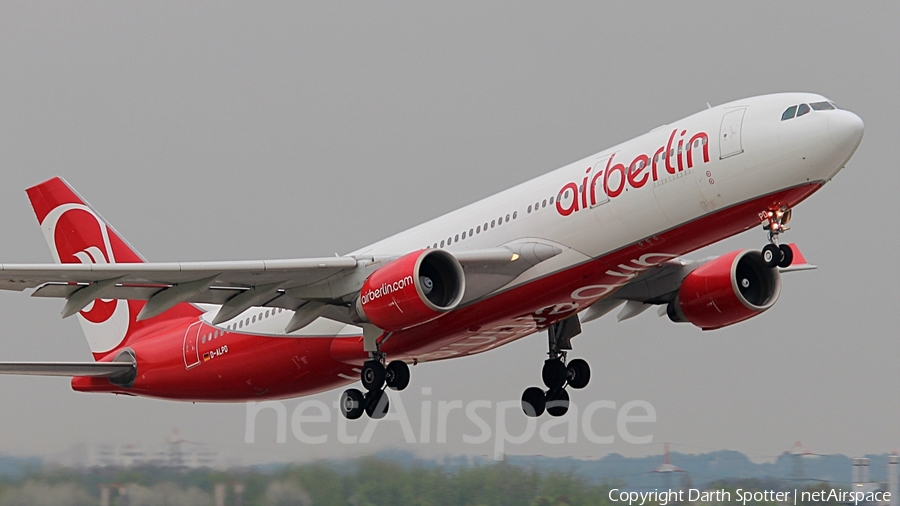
845 129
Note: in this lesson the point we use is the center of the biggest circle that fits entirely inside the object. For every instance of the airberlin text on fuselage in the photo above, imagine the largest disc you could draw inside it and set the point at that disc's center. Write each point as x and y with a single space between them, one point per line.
634 175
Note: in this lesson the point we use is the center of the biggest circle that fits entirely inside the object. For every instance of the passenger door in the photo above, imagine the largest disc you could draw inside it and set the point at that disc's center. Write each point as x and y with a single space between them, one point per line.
191 351
730 133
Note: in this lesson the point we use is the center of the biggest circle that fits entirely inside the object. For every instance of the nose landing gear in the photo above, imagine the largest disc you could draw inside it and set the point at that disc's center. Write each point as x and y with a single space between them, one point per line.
776 222
556 374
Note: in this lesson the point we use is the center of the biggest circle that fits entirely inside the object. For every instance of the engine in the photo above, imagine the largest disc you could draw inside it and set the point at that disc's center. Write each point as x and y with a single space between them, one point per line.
414 289
732 288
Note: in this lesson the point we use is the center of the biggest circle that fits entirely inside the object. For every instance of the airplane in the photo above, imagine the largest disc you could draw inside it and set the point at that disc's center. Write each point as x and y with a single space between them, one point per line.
550 254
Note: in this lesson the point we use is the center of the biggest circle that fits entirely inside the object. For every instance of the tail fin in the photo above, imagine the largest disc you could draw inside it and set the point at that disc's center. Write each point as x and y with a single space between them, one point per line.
77 233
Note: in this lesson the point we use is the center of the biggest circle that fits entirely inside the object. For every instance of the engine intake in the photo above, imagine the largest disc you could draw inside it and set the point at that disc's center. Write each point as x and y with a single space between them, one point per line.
414 289
730 289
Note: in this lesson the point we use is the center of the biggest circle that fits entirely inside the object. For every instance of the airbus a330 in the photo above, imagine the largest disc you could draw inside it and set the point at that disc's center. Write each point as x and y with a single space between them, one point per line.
550 254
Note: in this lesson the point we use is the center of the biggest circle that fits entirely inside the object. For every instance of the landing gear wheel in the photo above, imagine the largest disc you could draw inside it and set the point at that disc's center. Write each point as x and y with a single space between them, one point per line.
554 373
787 256
533 402
578 373
353 403
377 404
397 375
557 402
771 255
372 375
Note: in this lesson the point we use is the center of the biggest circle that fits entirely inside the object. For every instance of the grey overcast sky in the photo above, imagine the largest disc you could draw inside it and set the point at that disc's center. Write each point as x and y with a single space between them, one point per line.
282 129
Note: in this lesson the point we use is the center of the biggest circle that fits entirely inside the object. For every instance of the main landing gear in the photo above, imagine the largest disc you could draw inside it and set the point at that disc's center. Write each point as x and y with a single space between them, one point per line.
557 375
375 377
776 222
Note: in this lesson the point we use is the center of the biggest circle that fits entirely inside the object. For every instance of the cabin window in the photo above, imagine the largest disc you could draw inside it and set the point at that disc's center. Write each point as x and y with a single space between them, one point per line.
478 229
789 113
493 222
456 239
802 109
515 214
507 218
544 204
442 244
470 233
529 209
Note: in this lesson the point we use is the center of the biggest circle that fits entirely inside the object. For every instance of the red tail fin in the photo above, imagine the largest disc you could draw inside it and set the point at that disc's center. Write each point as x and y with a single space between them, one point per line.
77 233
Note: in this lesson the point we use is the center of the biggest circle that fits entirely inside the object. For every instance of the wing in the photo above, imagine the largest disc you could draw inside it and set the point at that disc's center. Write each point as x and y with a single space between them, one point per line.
238 286
100 369
659 286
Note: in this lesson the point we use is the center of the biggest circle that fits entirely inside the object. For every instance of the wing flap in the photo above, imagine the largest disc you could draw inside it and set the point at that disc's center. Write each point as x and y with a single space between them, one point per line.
215 294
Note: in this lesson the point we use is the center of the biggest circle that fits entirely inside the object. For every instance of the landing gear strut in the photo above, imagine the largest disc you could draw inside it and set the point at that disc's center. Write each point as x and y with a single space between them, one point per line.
557 375
374 377
776 222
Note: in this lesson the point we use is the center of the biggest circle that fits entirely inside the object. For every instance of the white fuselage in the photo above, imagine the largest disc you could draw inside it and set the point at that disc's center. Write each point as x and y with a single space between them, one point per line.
775 155
740 150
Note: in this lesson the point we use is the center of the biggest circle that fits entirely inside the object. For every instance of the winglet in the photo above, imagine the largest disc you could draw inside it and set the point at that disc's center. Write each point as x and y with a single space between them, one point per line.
799 263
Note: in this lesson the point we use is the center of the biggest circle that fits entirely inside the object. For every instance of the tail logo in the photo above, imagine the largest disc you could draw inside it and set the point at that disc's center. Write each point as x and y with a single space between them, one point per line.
77 235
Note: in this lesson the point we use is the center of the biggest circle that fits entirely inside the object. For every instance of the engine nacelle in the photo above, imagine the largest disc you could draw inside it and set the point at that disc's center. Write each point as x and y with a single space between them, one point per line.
730 289
414 289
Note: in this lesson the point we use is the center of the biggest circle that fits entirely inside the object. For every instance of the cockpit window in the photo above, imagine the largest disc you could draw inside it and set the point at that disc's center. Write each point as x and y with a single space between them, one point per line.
789 113
802 109
821 106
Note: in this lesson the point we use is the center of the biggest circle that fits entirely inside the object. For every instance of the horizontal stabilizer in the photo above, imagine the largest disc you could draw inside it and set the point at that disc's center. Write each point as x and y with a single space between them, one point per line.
100 369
